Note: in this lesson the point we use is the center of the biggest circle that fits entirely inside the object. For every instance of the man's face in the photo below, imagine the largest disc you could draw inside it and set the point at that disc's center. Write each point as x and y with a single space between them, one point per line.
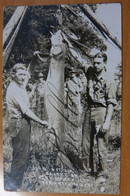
98 64
20 76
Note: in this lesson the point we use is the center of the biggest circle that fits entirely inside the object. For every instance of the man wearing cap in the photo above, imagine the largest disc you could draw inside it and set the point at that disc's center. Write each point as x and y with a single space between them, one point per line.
101 100
19 127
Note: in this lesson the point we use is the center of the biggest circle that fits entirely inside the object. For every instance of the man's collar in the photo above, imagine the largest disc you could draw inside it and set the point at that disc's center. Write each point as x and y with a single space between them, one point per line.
21 86
101 75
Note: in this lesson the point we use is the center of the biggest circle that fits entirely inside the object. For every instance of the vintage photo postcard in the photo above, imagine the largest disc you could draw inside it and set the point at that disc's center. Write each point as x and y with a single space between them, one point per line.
62 98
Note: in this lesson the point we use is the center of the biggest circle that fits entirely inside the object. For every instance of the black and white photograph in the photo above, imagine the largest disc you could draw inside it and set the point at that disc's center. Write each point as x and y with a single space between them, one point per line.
62 98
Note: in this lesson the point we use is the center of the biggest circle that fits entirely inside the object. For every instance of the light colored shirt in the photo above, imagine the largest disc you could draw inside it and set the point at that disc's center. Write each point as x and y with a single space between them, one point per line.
17 100
101 88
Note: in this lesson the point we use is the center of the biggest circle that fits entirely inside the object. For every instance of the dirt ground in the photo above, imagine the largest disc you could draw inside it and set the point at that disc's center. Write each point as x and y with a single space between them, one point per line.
43 175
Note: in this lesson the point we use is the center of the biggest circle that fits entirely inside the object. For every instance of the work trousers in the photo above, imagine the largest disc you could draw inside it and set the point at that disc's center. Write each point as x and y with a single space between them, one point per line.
98 140
20 132
94 146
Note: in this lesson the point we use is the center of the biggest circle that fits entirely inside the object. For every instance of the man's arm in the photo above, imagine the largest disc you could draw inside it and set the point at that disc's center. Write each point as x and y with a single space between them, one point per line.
32 116
76 55
106 124
110 99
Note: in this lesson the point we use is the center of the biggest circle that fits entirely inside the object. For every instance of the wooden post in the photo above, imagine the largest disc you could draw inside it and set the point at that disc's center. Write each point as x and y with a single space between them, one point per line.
87 11
6 34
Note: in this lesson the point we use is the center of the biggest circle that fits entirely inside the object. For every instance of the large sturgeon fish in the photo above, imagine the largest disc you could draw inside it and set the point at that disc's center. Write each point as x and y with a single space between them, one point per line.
54 95
54 99
54 88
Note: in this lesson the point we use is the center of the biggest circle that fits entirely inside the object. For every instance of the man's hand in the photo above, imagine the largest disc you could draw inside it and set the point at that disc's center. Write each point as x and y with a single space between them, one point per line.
44 123
104 131
105 127
36 52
